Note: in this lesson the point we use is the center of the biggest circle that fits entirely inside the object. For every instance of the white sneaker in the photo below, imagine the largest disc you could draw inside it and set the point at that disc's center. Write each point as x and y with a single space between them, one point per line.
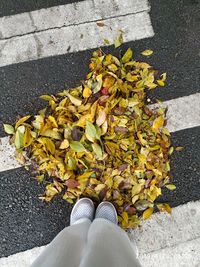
83 209
107 211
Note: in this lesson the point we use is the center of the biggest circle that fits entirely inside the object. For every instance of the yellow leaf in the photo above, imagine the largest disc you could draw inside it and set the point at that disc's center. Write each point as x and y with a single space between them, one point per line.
147 52
108 81
104 127
135 198
127 56
52 119
164 76
118 40
170 186
87 92
125 216
109 182
99 188
49 144
64 144
21 121
112 67
142 140
52 134
82 121
85 175
136 189
131 78
27 137
160 82
171 150
166 131
147 213
179 148
158 123
47 97
74 100
164 207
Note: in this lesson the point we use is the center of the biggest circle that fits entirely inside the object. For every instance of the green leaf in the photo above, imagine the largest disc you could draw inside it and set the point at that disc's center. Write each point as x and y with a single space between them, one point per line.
71 164
118 40
77 146
97 150
19 137
127 56
90 131
51 133
170 186
9 129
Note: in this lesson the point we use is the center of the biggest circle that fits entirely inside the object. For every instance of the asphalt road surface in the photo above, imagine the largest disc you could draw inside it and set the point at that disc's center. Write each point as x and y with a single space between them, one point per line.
25 221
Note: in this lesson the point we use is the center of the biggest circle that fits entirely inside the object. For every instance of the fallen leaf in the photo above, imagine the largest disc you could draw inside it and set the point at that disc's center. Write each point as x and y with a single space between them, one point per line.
21 121
118 40
77 146
147 52
127 56
158 123
72 183
147 213
74 100
101 117
179 148
170 186
100 24
90 131
164 207
64 144
9 129
97 150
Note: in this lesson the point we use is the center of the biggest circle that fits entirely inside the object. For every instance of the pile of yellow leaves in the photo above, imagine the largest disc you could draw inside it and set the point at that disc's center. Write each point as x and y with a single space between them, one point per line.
101 140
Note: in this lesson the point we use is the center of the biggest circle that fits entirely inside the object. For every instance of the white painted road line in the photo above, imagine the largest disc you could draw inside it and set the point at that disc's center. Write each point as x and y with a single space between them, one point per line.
67 15
73 38
7 155
183 113
183 255
163 240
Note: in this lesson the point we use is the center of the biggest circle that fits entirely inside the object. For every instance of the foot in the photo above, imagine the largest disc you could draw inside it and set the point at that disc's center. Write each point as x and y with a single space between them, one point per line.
83 209
107 211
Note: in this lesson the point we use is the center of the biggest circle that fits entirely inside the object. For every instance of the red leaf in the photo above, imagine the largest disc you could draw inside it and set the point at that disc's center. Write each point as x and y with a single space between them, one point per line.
104 91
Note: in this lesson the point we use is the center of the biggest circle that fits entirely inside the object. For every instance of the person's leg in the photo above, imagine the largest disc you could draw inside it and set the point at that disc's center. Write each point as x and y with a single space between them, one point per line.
108 245
68 246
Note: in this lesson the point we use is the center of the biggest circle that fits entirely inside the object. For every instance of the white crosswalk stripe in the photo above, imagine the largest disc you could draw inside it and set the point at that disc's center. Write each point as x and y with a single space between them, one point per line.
68 15
44 35
164 240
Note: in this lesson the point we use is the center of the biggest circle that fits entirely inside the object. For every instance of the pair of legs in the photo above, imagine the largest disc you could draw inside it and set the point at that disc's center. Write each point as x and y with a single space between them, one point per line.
91 240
